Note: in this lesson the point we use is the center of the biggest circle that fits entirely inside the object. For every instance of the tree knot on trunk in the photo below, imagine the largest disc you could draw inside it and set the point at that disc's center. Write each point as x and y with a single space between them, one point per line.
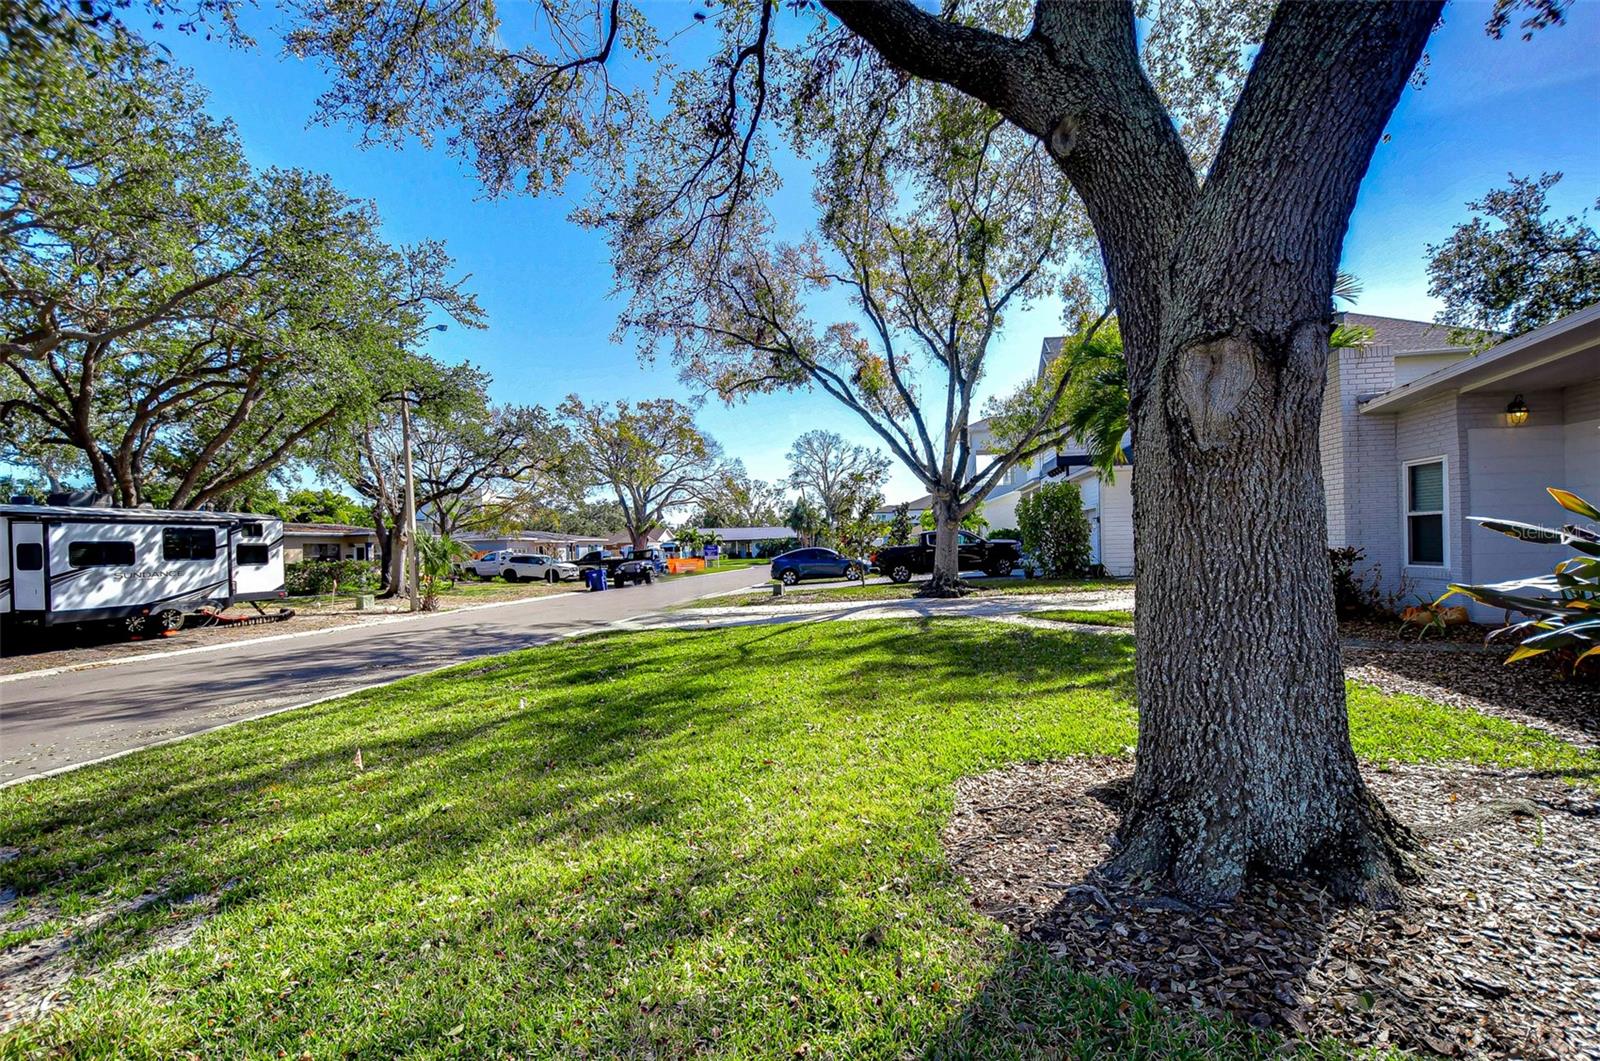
1063 137
1213 379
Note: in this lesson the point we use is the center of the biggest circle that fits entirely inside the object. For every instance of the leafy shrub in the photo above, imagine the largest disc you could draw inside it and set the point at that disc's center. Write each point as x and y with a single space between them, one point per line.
899 532
775 546
1564 606
1005 533
1056 531
1346 590
311 577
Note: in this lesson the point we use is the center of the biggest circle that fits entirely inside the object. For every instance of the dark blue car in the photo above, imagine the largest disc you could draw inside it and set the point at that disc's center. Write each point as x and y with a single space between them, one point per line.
796 564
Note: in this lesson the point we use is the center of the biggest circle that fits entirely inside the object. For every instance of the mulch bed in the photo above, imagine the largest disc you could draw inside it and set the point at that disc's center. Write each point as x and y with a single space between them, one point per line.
1531 692
1391 629
1497 953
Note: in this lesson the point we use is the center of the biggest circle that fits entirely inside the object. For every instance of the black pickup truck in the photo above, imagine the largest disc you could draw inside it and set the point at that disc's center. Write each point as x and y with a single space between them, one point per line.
619 569
995 557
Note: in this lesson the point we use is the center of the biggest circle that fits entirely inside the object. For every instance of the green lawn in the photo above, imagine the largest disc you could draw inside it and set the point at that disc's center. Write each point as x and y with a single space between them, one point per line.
836 593
1110 617
649 844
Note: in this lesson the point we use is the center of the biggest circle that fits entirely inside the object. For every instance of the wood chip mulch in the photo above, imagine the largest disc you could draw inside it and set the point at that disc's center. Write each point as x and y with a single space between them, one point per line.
1392 629
1496 954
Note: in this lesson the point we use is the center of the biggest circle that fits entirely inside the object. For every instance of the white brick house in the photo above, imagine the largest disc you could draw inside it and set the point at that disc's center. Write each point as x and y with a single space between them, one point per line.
1418 435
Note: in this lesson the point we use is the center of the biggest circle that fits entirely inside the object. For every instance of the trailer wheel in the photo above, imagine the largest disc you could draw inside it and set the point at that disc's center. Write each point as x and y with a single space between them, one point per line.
901 573
169 621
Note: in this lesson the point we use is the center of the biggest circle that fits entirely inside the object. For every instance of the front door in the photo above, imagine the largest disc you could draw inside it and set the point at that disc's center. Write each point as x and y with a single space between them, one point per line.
27 567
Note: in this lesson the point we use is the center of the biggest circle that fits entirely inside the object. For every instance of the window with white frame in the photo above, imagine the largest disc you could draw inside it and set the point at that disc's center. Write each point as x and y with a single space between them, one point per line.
1425 524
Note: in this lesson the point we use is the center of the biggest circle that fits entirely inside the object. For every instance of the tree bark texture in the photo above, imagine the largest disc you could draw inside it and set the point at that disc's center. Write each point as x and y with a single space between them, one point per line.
385 548
946 580
1223 295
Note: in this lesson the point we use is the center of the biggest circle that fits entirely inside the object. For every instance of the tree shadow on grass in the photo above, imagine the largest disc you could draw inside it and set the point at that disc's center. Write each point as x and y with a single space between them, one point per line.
650 788
451 760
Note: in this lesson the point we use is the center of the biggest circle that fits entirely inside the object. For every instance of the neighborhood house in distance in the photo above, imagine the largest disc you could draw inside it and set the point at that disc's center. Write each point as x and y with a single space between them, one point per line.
731 542
1417 434
328 541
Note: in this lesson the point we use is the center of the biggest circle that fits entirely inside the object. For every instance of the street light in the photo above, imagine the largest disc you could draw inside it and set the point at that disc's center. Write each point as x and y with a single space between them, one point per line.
411 570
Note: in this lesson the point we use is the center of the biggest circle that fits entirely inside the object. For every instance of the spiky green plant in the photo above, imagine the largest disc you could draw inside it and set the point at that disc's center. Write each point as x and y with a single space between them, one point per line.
438 554
1564 606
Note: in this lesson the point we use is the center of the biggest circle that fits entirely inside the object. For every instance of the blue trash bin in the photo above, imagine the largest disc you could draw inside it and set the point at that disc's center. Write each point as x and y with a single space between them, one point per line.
595 579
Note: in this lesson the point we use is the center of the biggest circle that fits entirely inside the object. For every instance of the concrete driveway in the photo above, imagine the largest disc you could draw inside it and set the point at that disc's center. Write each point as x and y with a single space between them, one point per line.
52 721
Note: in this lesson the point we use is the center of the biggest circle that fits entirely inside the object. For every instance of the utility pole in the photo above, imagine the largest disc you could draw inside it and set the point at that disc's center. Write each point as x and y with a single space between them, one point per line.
410 555
410 558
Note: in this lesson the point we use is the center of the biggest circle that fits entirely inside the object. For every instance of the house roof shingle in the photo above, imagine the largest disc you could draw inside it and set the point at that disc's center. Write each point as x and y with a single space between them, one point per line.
335 530
1402 335
748 534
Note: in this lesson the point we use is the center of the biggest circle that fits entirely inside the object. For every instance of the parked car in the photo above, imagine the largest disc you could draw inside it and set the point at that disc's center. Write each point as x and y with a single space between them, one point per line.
635 571
517 567
600 558
995 558
797 564
620 570
656 556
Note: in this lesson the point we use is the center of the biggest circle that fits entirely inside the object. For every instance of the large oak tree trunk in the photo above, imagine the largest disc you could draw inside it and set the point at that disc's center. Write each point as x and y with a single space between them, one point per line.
394 562
1244 756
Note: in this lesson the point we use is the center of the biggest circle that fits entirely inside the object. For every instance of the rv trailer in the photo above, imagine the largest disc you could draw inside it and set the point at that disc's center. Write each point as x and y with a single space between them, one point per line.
144 567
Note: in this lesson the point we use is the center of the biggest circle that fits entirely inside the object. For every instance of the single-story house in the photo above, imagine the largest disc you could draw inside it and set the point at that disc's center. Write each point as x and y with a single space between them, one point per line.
328 541
1419 433
914 508
747 541
542 543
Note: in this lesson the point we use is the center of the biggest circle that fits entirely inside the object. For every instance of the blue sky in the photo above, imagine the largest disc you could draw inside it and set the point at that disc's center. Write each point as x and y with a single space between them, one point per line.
1489 108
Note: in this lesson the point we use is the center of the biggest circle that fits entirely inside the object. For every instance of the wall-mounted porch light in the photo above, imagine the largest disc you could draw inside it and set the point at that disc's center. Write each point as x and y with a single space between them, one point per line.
1517 412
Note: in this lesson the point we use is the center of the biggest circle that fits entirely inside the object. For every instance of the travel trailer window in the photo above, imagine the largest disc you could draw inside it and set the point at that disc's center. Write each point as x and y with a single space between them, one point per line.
100 554
30 556
188 543
250 530
252 555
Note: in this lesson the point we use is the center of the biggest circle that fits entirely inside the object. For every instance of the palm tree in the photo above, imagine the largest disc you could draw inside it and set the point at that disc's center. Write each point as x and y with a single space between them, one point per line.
437 555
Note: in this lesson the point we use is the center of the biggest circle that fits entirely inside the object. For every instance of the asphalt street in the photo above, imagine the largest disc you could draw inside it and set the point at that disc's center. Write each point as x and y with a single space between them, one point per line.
56 720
